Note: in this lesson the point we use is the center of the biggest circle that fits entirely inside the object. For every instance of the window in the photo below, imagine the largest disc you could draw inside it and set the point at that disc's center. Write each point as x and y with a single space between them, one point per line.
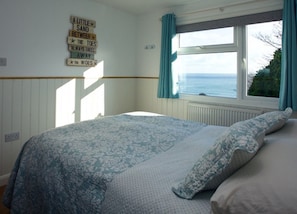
203 74
208 58
207 37
264 59
235 58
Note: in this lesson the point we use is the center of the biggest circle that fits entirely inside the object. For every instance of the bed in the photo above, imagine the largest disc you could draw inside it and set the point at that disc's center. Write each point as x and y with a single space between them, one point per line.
150 163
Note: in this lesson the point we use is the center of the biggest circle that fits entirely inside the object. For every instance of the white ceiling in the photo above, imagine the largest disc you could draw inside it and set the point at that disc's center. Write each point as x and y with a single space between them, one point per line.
144 6
138 7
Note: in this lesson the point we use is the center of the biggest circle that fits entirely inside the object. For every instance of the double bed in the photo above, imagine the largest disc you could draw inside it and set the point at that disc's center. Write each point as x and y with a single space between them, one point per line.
150 163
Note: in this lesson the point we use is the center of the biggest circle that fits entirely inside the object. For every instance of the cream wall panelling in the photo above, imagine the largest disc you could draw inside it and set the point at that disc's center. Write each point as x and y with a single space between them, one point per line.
31 106
27 107
147 100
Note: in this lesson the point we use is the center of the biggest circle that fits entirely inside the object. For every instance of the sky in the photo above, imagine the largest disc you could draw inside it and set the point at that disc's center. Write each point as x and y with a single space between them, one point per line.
258 51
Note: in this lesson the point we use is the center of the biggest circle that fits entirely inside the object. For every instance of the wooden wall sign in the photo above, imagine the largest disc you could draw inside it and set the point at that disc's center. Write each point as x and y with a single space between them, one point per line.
82 42
82 35
79 55
82 49
81 62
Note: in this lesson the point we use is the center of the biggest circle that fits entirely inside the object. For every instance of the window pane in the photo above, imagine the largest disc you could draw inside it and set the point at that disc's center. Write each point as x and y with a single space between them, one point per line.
207 37
208 74
264 54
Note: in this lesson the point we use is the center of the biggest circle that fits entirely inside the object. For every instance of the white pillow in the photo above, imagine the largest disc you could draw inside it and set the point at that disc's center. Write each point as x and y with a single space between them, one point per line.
267 184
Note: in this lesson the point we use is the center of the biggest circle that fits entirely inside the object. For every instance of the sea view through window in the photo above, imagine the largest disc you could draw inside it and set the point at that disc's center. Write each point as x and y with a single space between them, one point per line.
227 68
211 84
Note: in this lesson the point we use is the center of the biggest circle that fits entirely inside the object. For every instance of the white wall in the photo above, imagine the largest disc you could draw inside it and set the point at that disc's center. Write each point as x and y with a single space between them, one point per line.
38 91
148 64
149 33
34 32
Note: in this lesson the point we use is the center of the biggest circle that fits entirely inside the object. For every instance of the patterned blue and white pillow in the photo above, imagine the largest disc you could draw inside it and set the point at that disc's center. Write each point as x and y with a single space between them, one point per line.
235 147
272 121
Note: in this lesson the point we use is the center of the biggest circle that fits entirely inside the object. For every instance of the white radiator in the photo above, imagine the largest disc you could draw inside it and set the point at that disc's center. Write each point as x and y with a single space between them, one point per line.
219 115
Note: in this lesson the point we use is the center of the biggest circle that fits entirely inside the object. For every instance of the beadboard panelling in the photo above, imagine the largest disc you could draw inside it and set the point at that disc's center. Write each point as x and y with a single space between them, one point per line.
31 106
147 100
24 105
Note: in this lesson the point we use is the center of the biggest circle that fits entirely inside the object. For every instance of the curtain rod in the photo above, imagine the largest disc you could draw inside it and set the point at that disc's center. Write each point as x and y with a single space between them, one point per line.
221 9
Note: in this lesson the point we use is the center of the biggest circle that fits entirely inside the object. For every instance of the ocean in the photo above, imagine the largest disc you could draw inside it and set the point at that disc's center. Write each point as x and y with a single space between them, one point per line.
222 85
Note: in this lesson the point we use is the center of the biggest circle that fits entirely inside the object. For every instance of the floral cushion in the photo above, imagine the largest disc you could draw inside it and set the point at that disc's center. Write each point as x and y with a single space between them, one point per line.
272 121
235 147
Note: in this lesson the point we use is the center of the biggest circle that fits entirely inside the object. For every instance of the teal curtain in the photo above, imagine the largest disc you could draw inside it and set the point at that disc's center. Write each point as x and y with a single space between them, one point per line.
168 84
288 82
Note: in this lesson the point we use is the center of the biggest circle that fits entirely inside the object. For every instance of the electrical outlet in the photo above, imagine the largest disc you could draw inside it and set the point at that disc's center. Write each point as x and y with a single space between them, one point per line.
3 61
11 137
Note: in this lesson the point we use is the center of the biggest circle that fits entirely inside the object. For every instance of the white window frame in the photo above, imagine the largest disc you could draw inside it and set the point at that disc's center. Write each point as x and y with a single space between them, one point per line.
239 46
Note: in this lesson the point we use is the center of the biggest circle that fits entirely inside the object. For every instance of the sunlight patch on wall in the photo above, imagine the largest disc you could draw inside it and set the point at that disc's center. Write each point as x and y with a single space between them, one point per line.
81 99
65 104
93 74
92 105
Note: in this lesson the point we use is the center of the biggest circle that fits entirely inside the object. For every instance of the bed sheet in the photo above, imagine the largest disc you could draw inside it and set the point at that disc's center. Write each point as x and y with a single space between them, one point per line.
66 169
146 188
